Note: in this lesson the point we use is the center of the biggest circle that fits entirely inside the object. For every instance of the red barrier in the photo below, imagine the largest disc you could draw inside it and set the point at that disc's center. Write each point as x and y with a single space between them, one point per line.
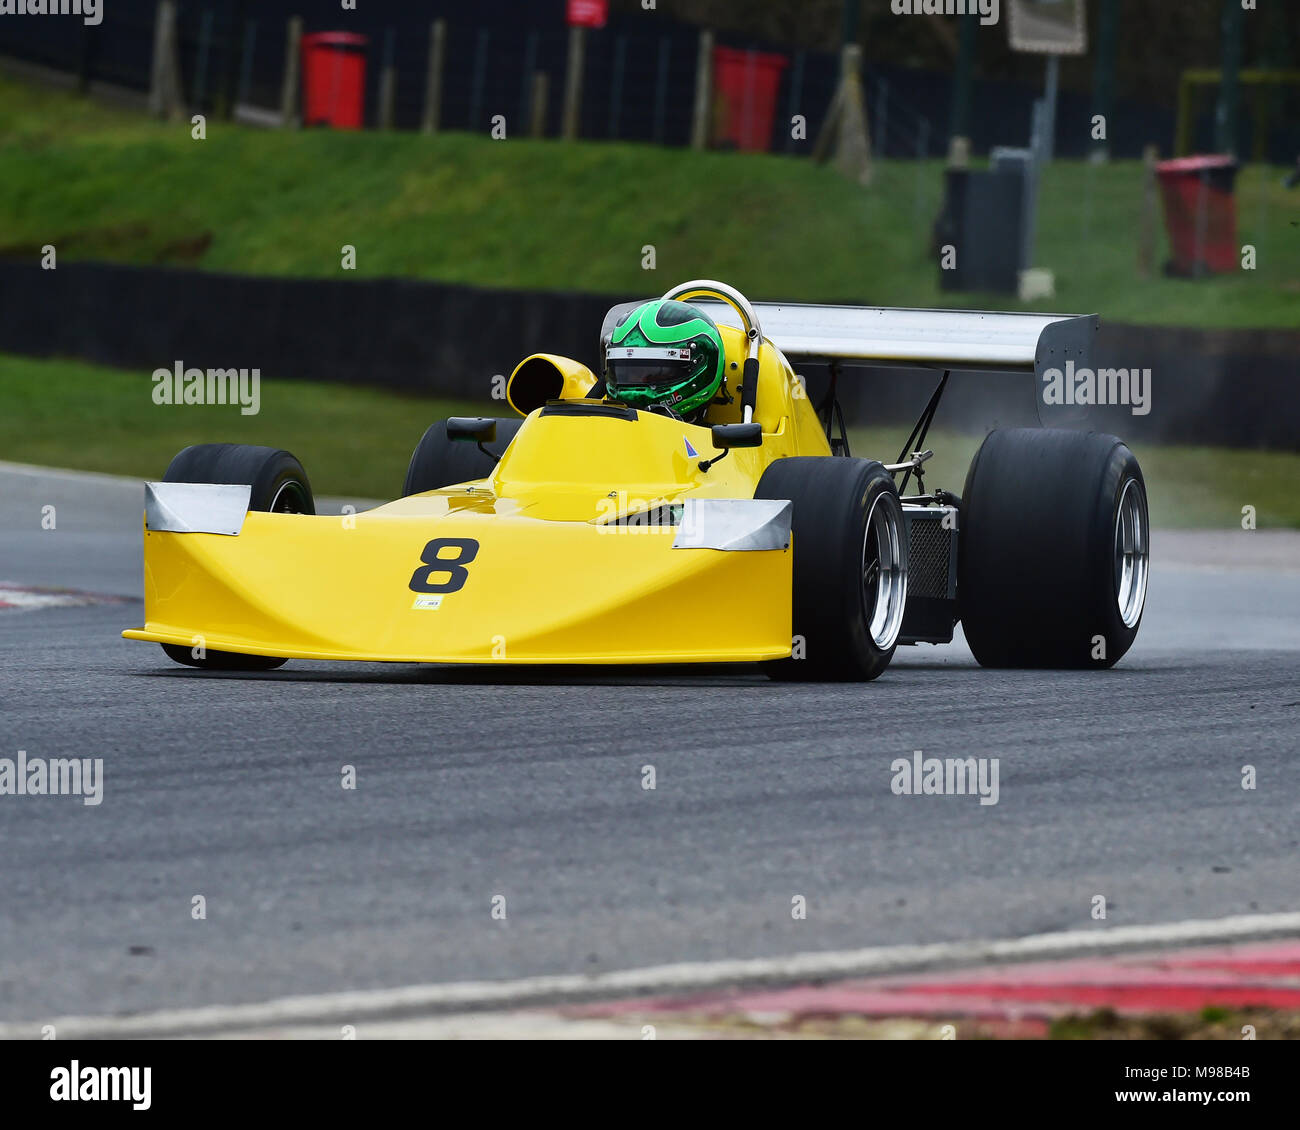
333 79
1200 215
746 83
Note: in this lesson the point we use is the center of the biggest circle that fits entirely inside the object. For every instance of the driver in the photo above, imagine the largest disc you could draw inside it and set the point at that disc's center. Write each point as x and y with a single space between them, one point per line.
666 356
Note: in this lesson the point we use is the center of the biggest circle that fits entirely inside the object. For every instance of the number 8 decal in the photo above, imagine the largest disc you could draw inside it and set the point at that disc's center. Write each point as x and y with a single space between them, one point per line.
454 567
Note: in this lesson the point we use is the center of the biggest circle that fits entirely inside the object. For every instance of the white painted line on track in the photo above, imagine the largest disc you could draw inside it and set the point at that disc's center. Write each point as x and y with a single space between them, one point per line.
684 977
132 485
28 598
36 471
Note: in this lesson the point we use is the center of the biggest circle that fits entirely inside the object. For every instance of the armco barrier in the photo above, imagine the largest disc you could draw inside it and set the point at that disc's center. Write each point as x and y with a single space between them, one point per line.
1229 387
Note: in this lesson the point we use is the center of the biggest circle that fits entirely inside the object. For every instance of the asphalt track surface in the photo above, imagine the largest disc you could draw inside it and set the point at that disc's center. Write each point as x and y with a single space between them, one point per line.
526 783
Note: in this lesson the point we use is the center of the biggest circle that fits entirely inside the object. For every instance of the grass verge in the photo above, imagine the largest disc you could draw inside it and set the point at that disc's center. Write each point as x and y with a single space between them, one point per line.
104 184
352 441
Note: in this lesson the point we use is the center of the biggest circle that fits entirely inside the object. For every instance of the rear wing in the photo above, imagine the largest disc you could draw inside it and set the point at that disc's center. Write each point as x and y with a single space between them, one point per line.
889 337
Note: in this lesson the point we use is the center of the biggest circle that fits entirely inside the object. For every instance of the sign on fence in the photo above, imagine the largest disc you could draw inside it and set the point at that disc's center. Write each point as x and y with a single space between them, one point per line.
588 13
1049 27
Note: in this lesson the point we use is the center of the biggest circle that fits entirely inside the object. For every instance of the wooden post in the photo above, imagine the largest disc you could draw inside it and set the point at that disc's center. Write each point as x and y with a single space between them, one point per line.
289 108
433 89
854 148
573 84
824 146
388 83
1147 224
541 84
702 114
165 77
844 132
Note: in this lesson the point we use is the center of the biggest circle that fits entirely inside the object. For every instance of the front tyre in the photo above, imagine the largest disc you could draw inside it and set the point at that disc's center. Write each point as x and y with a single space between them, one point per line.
276 480
1054 556
277 485
850 566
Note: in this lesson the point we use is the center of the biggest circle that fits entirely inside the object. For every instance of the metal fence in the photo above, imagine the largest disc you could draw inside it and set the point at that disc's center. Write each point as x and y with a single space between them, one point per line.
638 77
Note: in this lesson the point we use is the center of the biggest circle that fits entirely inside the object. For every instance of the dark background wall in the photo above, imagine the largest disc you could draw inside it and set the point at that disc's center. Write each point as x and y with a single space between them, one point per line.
1233 387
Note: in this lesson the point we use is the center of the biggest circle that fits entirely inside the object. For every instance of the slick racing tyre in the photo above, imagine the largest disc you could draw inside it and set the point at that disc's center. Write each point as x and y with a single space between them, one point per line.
278 485
440 462
1053 559
850 566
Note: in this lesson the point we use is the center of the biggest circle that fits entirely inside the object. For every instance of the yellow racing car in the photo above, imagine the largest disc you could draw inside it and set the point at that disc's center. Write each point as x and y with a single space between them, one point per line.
688 503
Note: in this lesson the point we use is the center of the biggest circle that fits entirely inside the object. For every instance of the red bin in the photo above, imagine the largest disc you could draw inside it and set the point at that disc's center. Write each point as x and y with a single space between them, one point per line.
746 83
1200 215
333 79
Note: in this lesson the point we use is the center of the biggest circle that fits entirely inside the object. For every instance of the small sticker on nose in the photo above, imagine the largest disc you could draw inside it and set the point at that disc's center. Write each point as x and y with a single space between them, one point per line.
432 602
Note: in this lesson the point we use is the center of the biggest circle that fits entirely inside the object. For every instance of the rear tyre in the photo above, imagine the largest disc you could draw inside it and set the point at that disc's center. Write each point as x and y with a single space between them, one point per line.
850 566
1053 561
440 462
277 485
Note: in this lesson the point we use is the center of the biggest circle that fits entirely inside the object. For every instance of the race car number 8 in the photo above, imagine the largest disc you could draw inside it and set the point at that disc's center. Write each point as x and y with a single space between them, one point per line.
466 550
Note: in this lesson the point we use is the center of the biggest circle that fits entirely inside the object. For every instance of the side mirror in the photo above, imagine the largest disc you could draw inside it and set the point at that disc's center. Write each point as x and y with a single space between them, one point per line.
737 435
727 436
472 429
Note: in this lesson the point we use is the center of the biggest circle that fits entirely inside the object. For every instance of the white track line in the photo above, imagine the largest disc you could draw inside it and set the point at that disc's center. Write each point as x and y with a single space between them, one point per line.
130 483
36 471
418 1000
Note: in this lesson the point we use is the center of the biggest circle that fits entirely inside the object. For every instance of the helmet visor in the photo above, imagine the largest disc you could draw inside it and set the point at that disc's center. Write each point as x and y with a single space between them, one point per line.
641 367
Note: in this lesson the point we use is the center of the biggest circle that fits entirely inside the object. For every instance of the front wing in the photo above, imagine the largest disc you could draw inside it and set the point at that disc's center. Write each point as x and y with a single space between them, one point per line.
464 586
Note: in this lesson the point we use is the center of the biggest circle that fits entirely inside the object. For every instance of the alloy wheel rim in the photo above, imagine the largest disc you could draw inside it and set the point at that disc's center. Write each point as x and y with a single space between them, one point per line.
1132 553
884 572
291 498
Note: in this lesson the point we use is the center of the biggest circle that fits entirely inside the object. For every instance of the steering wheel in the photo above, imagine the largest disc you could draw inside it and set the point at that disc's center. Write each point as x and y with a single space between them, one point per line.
730 296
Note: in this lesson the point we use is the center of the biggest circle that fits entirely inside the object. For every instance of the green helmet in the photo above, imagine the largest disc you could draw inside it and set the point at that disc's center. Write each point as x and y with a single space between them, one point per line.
665 354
